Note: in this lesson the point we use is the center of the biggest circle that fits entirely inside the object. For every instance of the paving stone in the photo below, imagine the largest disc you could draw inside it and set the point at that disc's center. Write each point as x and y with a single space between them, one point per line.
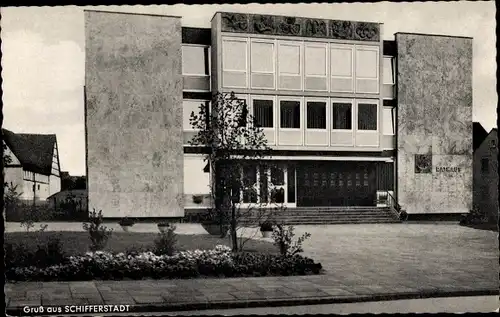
148 299
120 300
85 295
21 303
274 294
220 297
58 301
308 294
337 292
248 295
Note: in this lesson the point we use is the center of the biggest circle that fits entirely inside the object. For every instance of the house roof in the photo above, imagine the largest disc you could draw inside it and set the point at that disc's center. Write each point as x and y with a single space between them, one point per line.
34 151
479 134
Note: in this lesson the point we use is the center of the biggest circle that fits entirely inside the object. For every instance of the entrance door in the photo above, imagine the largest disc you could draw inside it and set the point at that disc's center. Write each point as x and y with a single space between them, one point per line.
336 184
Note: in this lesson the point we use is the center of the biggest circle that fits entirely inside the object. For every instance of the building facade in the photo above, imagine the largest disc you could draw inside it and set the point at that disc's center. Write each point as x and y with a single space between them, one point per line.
34 165
348 115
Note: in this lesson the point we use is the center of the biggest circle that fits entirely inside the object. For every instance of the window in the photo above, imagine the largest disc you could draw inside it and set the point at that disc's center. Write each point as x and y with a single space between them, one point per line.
367 69
289 66
38 186
188 107
195 60
342 116
249 182
341 68
315 59
367 116
263 113
388 121
262 64
234 62
388 75
493 144
485 165
290 114
316 115
423 163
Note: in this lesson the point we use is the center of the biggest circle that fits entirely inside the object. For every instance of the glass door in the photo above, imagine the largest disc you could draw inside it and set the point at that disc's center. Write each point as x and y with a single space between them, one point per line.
277 189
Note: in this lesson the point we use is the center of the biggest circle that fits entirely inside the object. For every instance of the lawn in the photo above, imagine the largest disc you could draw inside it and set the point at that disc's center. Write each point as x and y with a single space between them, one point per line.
78 242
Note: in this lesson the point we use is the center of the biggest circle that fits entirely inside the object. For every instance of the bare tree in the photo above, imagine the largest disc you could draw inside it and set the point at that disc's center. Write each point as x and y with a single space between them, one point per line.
230 138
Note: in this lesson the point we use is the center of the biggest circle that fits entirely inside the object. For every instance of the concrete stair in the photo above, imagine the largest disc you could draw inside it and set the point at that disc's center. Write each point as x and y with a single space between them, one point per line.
327 215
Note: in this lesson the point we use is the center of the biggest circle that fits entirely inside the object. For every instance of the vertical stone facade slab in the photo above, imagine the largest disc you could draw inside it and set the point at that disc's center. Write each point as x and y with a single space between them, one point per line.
435 119
134 114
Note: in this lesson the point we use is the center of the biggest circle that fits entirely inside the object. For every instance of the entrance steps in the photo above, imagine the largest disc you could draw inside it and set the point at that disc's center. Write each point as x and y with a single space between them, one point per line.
325 215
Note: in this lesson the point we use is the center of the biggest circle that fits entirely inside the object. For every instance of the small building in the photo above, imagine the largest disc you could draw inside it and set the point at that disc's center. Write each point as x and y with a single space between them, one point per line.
34 164
76 198
485 186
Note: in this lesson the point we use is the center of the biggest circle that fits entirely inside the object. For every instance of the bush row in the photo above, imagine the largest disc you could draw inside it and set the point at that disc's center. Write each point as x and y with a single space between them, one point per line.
217 262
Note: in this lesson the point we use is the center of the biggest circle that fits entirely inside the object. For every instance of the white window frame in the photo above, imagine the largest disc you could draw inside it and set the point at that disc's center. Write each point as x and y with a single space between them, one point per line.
247 58
375 49
368 101
199 101
393 124
300 76
324 46
353 113
327 113
301 112
393 70
273 72
265 97
208 62
353 64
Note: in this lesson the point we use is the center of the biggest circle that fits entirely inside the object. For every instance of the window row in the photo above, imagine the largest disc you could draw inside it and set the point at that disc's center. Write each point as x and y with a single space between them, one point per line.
318 114
287 65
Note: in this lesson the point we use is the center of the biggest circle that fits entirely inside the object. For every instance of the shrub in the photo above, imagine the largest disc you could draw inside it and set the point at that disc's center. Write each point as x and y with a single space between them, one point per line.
50 254
283 239
197 199
259 264
266 226
126 222
187 264
475 216
165 243
106 265
45 255
98 233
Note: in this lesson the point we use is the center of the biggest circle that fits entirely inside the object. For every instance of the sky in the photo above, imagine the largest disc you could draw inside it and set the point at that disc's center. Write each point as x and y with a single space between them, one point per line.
43 57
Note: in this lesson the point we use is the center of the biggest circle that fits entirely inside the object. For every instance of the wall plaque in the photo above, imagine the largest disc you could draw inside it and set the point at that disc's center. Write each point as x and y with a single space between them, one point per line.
450 169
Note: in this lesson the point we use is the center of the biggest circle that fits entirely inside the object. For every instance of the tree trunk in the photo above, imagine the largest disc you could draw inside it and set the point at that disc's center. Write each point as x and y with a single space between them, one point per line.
234 236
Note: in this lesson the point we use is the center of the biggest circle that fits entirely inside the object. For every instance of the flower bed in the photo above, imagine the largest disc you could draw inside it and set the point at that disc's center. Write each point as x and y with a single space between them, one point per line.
218 262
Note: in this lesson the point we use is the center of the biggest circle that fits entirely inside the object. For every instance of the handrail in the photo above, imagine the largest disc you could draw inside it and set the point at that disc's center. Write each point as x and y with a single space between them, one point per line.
395 207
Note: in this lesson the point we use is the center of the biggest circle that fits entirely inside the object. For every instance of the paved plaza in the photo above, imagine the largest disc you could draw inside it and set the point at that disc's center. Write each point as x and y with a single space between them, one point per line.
361 262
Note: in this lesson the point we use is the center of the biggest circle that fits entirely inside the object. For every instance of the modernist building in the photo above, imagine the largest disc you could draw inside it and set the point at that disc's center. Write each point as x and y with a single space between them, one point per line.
347 114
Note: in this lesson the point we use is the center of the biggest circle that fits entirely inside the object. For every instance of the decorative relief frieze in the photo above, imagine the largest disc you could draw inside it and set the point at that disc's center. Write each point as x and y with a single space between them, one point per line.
366 31
289 26
341 30
315 28
263 24
296 26
234 22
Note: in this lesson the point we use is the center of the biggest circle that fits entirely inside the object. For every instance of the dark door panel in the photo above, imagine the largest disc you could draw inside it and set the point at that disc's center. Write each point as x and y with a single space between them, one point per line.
336 184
